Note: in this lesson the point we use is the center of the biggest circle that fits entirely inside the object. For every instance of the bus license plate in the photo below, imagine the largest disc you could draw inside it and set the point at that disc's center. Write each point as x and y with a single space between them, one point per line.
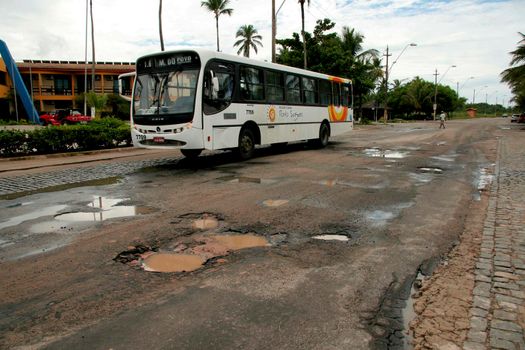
158 139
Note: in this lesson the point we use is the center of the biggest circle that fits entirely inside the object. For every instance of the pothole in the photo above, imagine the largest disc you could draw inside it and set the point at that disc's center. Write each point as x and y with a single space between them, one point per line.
432 170
379 153
274 202
390 322
163 262
245 179
205 223
104 208
340 238
189 255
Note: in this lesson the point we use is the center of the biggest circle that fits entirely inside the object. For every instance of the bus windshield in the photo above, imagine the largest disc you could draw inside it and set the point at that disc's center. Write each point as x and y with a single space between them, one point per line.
168 94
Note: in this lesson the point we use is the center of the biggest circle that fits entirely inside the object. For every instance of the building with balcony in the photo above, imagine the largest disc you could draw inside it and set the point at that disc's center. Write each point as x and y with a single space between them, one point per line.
59 84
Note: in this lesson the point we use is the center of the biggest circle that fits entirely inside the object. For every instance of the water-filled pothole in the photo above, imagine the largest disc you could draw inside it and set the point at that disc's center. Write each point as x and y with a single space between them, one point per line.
35 214
165 262
245 179
104 208
274 202
379 153
189 256
341 238
432 170
207 222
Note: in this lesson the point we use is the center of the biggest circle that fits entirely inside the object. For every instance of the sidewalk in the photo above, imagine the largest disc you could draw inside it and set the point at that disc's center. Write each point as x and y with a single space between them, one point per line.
10 165
497 315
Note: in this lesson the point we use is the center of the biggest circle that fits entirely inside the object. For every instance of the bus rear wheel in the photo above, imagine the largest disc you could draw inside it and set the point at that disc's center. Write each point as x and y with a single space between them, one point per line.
324 136
191 153
246 144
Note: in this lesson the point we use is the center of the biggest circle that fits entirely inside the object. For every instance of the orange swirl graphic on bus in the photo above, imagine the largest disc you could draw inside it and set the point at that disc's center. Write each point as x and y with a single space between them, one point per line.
271 113
337 114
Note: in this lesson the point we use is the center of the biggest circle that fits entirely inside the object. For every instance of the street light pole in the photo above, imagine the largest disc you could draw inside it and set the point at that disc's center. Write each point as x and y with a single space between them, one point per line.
436 84
385 112
388 70
435 93
274 27
397 58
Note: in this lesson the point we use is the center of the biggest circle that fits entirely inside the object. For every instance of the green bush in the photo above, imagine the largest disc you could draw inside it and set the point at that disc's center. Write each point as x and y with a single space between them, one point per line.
99 134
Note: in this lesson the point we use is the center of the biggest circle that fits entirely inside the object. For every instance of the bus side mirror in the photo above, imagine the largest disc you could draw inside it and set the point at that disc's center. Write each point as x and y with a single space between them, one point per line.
120 88
215 88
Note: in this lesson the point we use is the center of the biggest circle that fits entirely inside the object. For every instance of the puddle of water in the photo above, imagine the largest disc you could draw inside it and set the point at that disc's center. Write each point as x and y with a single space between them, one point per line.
449 158
5 243
237 242
206 223
378 153
408 312
108 208
485 179
245 179
329 183
430 170
341 238
15 205
275 202
188 259
380 215
17 220
162 262
421 177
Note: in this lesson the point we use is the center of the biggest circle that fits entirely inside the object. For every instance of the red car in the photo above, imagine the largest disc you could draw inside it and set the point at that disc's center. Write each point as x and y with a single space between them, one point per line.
64 116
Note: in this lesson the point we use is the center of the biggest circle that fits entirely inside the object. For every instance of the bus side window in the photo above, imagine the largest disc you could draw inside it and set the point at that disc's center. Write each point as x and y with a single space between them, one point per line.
325 92
252 83
346 96
337 93
223 74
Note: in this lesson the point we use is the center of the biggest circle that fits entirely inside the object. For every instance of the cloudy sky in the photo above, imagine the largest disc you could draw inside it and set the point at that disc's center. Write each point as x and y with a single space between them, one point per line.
474 35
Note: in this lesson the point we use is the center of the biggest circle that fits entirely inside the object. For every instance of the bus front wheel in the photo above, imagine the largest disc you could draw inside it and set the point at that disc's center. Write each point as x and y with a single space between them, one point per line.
246 144
191 153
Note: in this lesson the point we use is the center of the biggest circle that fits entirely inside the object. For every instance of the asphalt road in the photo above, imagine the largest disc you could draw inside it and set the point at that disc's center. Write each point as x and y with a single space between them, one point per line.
399 194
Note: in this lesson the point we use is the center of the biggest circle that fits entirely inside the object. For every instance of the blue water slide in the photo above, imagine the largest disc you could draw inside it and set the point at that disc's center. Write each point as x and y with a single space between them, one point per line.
21 89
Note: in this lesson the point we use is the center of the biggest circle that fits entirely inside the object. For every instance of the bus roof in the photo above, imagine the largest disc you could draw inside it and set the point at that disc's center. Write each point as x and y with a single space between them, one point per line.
209 54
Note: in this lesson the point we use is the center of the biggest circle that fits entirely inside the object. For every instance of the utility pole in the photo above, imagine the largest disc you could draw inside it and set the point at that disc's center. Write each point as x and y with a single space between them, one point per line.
274 30
274 27
474 97
385 112
435 92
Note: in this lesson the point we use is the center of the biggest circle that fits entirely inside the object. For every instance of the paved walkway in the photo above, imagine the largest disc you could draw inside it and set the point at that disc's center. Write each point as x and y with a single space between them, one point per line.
498 311
53 170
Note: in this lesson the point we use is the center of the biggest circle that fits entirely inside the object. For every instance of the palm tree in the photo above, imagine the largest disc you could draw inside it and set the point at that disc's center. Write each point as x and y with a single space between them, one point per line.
515 75
249 39
302 29
352 42
218 7
160 26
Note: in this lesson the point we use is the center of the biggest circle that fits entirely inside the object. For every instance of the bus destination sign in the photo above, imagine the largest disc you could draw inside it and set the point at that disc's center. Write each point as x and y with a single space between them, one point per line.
168 62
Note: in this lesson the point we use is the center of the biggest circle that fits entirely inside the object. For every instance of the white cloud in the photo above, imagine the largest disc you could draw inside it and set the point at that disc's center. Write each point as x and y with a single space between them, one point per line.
476 36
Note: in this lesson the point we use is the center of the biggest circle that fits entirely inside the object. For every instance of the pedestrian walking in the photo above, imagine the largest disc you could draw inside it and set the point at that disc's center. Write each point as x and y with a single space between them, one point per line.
442 118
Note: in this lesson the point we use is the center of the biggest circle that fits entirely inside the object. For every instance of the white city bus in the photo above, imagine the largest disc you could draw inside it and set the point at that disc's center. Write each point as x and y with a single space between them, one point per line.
196 99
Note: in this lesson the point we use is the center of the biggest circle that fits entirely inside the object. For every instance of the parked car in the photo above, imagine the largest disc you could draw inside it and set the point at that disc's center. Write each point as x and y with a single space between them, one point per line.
64 116
521 118
514 118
